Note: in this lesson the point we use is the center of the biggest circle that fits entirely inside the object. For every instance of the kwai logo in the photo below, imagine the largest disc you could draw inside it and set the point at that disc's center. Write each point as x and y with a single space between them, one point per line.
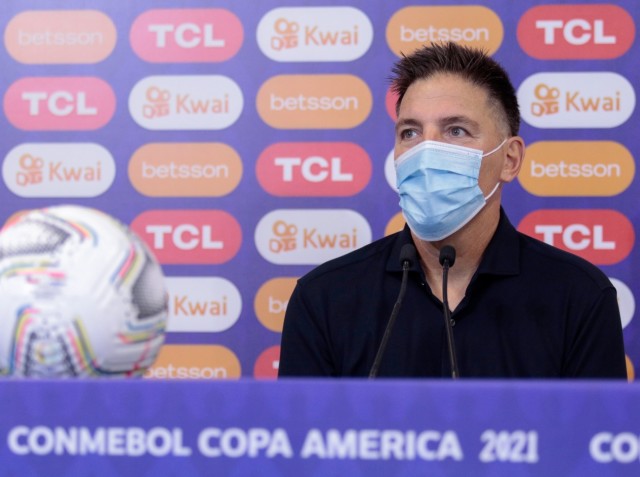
302 236
199 237
411 27
202 304
390 171
576 31
313 169
58 170
177 35
315 34
577 168
60 37
576 100
626 301
185 102
59 104
314 101
602 236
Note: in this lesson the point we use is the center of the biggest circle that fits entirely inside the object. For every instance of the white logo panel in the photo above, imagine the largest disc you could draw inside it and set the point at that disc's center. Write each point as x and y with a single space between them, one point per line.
315 34
576 100
202 304
309 237
58 170
206 102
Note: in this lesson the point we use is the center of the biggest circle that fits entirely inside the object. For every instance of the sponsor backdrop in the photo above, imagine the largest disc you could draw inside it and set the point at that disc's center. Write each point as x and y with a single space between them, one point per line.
247 142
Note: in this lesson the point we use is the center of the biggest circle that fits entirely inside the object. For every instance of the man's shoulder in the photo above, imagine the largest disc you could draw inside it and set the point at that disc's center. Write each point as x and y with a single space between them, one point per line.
561 262
354 264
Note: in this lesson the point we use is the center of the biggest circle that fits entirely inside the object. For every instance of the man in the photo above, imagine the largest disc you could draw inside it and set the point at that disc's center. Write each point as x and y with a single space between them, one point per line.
520 308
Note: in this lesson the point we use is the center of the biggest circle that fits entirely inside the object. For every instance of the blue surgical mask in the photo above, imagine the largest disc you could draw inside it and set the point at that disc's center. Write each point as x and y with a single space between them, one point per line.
438 187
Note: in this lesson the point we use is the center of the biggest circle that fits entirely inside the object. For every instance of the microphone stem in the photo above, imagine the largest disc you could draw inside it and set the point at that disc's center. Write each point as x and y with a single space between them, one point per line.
447 318
394 314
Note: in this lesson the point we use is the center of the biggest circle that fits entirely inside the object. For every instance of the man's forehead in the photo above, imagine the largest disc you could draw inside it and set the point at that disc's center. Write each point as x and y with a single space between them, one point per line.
458 97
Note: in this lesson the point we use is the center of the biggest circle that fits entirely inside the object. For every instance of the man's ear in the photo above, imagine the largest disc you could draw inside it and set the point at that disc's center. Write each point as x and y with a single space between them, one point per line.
513 159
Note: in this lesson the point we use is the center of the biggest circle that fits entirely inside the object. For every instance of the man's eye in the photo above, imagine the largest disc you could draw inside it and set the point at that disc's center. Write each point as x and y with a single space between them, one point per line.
408 134
457 131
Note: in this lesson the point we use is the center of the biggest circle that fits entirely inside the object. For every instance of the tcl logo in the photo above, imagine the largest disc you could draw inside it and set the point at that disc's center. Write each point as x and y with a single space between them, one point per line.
576 31
314 169
602 236
267 364
186 36
190 236
59 104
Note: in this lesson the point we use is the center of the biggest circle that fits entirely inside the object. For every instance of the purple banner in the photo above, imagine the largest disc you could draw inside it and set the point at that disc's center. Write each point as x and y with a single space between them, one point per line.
319 428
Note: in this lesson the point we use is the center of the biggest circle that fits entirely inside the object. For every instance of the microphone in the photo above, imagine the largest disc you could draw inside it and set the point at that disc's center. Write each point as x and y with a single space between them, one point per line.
408 255
447 259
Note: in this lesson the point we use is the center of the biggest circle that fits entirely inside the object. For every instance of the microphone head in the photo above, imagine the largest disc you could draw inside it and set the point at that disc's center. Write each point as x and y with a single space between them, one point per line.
408 254
447 254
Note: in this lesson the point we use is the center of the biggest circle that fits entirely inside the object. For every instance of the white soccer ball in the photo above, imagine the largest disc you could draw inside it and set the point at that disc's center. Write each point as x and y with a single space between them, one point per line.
80 295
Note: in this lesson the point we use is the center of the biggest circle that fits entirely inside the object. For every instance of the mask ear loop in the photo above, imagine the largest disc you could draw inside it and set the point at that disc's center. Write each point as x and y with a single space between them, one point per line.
495 149
493 191
499 182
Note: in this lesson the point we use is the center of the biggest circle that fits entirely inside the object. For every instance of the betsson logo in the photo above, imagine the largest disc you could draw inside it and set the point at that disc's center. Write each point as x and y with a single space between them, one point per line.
577 168
59 103
271 302
601 236
199 35
556 32
309 237
194 362
198 237
576 100
60 37
315 34
58 170
185 169
313 169
395 224
411 27
206 102
202 304
314 101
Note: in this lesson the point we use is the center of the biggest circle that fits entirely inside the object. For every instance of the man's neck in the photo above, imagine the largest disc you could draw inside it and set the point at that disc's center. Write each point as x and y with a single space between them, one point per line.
470 243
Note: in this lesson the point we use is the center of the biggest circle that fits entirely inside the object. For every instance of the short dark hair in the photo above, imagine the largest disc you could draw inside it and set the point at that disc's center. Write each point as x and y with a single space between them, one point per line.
469 63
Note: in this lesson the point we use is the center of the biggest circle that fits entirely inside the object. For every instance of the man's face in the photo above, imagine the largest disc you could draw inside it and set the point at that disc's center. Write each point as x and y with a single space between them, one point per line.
448 108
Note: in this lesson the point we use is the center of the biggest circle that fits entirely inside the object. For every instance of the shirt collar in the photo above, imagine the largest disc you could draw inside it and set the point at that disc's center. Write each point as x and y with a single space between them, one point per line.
501 257
393 263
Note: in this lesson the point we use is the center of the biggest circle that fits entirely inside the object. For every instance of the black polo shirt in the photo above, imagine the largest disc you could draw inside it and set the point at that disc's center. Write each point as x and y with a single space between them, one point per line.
530 310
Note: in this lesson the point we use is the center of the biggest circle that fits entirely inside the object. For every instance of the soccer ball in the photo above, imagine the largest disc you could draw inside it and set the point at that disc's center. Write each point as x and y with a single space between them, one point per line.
80 295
